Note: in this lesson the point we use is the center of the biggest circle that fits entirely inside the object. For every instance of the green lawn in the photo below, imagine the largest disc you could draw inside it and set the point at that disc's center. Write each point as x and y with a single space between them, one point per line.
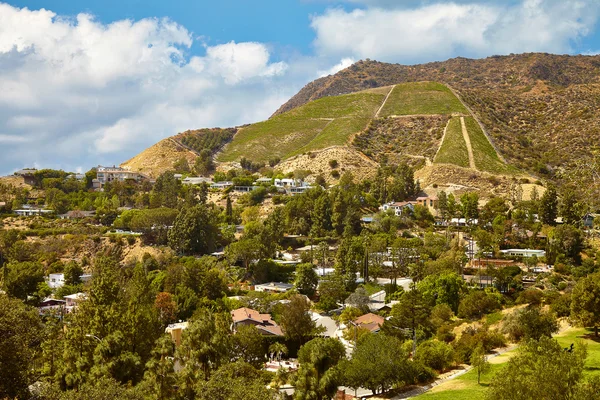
453 149
422 98
486 158
325 122
466 387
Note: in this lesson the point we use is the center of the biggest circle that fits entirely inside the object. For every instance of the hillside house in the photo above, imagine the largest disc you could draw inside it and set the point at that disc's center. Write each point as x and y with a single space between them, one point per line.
114 173
196 180
525 253
72 301
221 185
399 208
371 322
32 212
27 174
176 331
77 214
263 322
273 287
430 202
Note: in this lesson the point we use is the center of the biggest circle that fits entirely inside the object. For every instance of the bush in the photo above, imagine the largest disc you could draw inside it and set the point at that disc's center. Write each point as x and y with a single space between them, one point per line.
478 303
435 354
335 174
531 297
333 164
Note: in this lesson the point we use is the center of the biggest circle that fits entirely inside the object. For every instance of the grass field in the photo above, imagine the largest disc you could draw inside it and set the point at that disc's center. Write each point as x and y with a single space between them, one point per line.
422 98
465 387
486 158
453 149
322 123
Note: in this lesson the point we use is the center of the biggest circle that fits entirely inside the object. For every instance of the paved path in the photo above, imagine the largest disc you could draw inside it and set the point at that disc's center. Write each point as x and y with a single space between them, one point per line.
384 101
468 142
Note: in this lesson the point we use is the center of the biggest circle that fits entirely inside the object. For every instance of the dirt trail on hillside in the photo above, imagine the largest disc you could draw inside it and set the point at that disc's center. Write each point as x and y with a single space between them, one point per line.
442 140
468 142
384 101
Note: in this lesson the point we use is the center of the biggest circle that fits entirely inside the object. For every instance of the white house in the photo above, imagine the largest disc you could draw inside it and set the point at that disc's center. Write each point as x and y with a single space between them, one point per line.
73 300
30 212
399 207
273 287
56 281
196 180
523 253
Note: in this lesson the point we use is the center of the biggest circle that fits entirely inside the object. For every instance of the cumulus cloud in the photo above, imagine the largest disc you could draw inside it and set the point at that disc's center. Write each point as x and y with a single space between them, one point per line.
76 91
437 31
343 64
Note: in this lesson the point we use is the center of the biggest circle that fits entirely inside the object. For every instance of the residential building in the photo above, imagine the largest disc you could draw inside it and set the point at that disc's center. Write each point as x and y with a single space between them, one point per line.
56 281
73 300
371 322
400 207
526 253
51 306
77 214
263 322
196 180
273 287
176 331
221 185
114 173
30 212
27 174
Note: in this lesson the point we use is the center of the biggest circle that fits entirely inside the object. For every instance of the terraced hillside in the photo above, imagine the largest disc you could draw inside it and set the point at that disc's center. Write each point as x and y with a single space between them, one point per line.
330 121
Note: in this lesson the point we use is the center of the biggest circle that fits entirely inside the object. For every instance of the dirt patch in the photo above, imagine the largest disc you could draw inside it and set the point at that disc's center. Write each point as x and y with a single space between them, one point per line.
453 384
159 158
317 162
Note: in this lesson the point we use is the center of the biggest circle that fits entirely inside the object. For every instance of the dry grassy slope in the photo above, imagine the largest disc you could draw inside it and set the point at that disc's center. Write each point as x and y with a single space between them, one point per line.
159 158
317 162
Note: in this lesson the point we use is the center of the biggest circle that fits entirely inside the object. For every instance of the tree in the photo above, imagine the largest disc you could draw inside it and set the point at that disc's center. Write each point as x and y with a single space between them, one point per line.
278 349
530 323
21 279
443 205
296 321
332 290
549 206
317 377
195 230
435 354
249 345
378 362
306 279
73 272
167 307
236 380
20 337
541 370
469 203
568 208
479 362
585 302
444 288
160 370
359 299
246 250
478 303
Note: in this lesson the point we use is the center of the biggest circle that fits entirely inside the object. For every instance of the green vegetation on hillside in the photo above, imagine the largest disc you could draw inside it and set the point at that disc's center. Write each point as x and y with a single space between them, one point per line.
486 158
323 123
211 139
422 98
453 149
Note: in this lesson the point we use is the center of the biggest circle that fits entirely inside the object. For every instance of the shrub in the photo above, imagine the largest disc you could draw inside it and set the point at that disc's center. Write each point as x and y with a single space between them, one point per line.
335 174
478 303
435 354
333 164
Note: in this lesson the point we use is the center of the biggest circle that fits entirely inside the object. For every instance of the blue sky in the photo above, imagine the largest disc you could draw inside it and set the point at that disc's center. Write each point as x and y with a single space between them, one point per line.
94 82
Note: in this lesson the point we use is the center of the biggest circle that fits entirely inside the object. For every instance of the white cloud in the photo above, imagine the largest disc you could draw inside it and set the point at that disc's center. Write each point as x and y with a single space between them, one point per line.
75 91
343 64
441 30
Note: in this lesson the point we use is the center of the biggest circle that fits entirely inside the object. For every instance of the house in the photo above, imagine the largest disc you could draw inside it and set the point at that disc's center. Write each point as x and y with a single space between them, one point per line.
196 180
525 253
77 177
77 214
284 182
377 302
294 190
262 181
431 202
176 331
371 322
73 300
273 287
56 281
114 173
399 208
27 174
263 322
30 212
221 185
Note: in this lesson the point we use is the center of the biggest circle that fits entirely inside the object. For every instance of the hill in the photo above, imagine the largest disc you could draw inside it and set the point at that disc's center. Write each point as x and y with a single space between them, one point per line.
536 108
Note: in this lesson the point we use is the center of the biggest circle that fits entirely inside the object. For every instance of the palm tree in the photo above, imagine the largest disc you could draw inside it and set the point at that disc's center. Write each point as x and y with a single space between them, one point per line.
279 349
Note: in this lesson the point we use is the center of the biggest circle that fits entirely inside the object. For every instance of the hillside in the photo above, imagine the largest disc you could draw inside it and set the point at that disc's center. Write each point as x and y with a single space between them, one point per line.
538 109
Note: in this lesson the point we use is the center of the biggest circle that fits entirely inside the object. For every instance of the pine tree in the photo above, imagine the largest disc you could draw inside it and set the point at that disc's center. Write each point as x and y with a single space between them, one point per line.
549 206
